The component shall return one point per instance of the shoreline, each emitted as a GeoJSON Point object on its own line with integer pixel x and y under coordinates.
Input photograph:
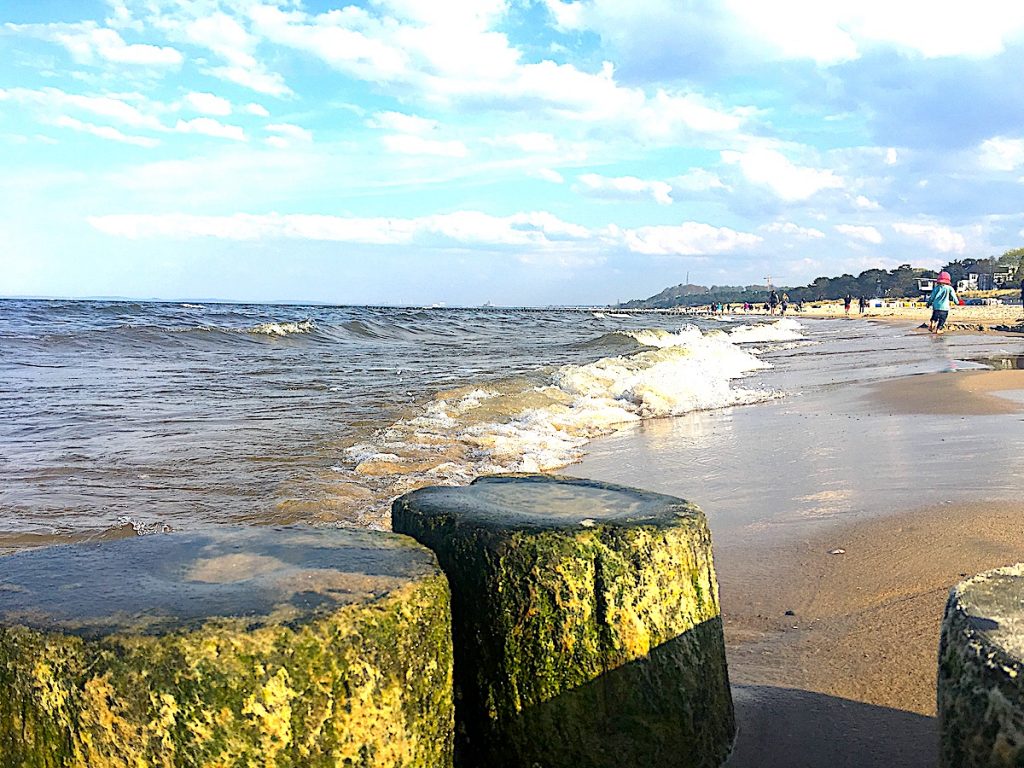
{"type": "Point", "coordinates": [833, 657]}
{"type": "Point", "coordinates": [1006, 318]}
{"type": "Point", "coordinates": [862, 637]}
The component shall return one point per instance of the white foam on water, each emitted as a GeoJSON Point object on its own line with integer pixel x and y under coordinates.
{"type": "Point", "coordinates": [514, 427]}
{"type": "Point", "coordinates": [657, 337]}
{"type": "Point", "coordinates": [780, 330]}
{"type": "Point", "coordinates": [282, 329]}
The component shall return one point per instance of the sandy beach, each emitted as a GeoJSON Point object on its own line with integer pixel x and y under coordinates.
{"type": "Point", "coordinates": [832, 626]}
{"type": "Point", "coordinates": [968, 317]}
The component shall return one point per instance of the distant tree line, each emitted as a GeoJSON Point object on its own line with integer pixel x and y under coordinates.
{"type": "Point", "coordinates": [871, 283]}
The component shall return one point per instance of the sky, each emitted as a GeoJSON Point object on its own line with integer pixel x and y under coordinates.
{"type": "Point", "coordinates": [516, 152]}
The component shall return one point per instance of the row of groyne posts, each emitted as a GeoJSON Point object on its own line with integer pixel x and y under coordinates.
{"type": "Point", "coordinates": [526, 620]}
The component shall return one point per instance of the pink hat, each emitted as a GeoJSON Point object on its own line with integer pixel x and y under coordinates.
{"type": "Point", "coordinates": [944, 278]}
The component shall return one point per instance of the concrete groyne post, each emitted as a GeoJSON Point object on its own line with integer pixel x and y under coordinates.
{"type": "Point", "coordinates": [586, 623]}
{"type": "Point", "coordinates": [981, 673]}
{"type": "Point", "coordinates": [282, 648]}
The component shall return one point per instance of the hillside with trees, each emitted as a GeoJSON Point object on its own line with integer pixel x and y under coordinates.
{"type": "Point", "coordinates": [871, 283]}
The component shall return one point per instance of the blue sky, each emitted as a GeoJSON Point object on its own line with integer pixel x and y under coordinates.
{"type": "Point", "coordinates": [511, 151]}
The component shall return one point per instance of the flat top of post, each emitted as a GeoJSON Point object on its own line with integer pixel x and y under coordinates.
{"type": "Point", "coordinates": [166, 582]}
{"type": "Point", "coordinates": [526, 501]}
{"type": "Point", "coordinates": [994, 605]}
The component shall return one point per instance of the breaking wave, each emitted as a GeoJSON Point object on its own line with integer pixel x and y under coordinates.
{"type": "Point", "coordinates": [523, 425]}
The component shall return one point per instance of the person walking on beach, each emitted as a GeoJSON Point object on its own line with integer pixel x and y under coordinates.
{"type": "Point", "coordinates": [773, 301]}
{"type": "Point", "coordinates": [941, 297]}
{"type": "Point", "coordinates": [1022, 293]}
{"type": "Point", "coordinates": [847, 301]}
{"type": "Point", "coordinates": [862, 304]}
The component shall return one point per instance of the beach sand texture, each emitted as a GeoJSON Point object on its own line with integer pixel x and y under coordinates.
{"type": "Point", "coordinates": [980, 317]}
{"type": "Point", "coordinates": [832, 625]}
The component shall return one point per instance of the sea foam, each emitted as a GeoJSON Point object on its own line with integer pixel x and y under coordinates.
{"type": "Point", "coordinates": [282, 329]}
{"type": "Point", "coordinates": [514, 426]}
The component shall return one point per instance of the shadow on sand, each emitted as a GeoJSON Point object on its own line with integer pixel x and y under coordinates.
{"type": "Point", "coordinates": [789, 728]}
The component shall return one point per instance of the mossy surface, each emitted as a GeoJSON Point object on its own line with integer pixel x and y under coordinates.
{"type": "Point", "coordinates": [595, 640]}
{"type": "Point", "coordinates": [980, 692]}
{"type": "Point", "coordinates": [363, 680]}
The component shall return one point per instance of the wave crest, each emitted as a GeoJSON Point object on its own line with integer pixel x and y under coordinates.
{"type": "Point", "coordinates": [519, 426]}
{"type": "Point", "coordinates": [282, 329]}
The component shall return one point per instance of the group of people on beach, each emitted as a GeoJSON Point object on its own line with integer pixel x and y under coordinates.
{"type": "Point", "coordinates": [780, 304]}
{"type": "Point", "coordinates": [774, 305]}
{"type": "Point", "coordinates": [862, 304]}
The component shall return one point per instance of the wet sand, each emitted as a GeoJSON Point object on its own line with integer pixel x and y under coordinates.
{"type": "Point", "coordinates": [861, 644]}
{"type": "Point", "coordinates": [833, 639]}
{"type": "Point", "coordinates": [969, 393]}
{"type": "Point", "coordinates": [833, 656]}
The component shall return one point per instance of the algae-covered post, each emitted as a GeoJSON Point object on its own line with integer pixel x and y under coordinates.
{"type": "Point", "coordinates": [240, 647]}
{"type": "Point", "coordinates": [586, 623]}
{"type": "Point", "coordinates": [981, 672]}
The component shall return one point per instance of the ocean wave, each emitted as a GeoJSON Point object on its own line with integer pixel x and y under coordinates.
{"type": "Point", "coordinates": [614, 341]}
{"type": "Point", "coordinates": [780, 330]}
{"type": "Point", "coordinates": [280, 329]}
{"type": "Point", "coordinates": [520, 426]}
{"type": "Point", "coordinates": [690, 335]}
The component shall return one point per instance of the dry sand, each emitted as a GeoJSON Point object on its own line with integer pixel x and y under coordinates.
{"type": "Point", "coordinates": [833, 656]}
{"type": "Point", "coordinates": [975, 318]}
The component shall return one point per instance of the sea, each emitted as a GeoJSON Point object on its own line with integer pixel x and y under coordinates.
{"type": "Point", "coordinates": [123, 418]}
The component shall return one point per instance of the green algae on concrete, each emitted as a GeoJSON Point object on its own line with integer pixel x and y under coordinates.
{"type": "Point", "coordinates": [277, 648]}
{"type": "Point", "coordinates": [981, 675]}
{"type": "Point", "coordinates": [586, 623]}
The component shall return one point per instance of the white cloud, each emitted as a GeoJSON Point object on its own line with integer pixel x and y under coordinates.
{"type": "Point", "coordinates": [402, 123]}
{"type": "Point", "coordinates": [942, 239]}
{"type": "Point", "coordinates": [697, 180]}
{"type": "Point", "coordinates": [464, 227]}
{"type": "Point", "coordinates": [772, 169]}
{"type": "Point", "coordinates": [116, 107]}
{"type": "Point", "coordinates": [88, 43]}
{"type": "Point", "coordinates": [289, 131]}
{"type": "Point", "coordinates": [797, 29]}
{"type": "Point", "coordinates": [568, 15]}
{"type": "Point", "coordinates": [977, 29]}
{"type": "Point", "coordinates": [210, 127]}
{"type": "Point", "coordinates": [406, 144]}
{"type": "Point", "coordinates": [460, 60]}
{"type": "Point", "coordinates": [825, 31]}
{"type": "Point", "coordinates": [789, 228]}
{"type": "Point", "coordinates": [121, 17]}
{"type": "Point", "coordinates": [666, 113]}
{"type": "Point", "coordinates": [257, 109]}
{"type": "Point", "coordinates": [858, 232]}
{"type": "Point", "coordinates": [533, 143]}
{"type": "Point", "coordinates": [535, 231]}
{"type": "Point", "coordinates": [208, 104]}
{"type": "Point", "coordinates": [1002, 154]}
{"type": "Point", "coordinates": [891, 156]}
{"type": "Point", "coordinates": [229, 41]}
{"type": "Point", "coordinates": [104, 132]}
{"type": "Point", "coordinates": [865, 203]}
{"type": "Point", "coordinates": [688, 239]}
{"type": "Point", "coordinates": [342, 38]}
{"type": "Point", "coordinates": [269, 83]}
{"type": "Point", "coordinates": [547, 174]}
{"type": "Point", "coordinates": [625, 188]}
